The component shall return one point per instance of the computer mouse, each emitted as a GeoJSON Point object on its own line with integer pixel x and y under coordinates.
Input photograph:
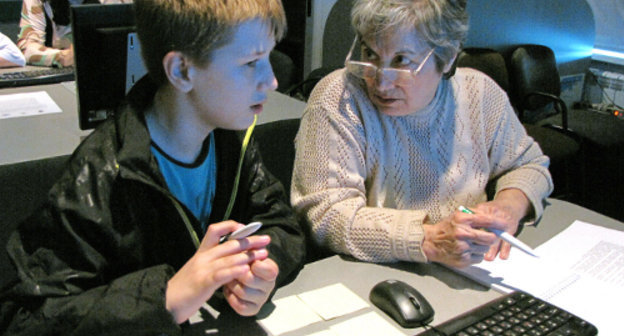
{"type": "Point", "coordinates": [406, 305]}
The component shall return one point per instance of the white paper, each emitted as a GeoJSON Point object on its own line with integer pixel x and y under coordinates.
{"type": "Point", "coordinates": [369, 324]}
{"type": "Point", "coordinates": [290, 313]}
{"type": "Point", "coordinates": [27, 104]}
{"type": "Point", "coordinates": [323, 333]}
{"type": "Point", "coordinates": [580, 270]}
{"type": "Point", "coordinates": [333, 301]}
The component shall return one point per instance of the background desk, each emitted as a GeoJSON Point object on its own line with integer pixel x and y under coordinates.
{"type": "Point", "coordinates": [449, 293]}
{"type": "Point", "coordinates": [37, 137]}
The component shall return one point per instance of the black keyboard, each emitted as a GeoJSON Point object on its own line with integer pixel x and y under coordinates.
{"type": "Point", "coordinates": [517, 313]}
{"type": "Point", "coordinates": [36, 77]}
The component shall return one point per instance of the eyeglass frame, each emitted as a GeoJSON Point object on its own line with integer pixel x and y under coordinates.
{"type": "Point", "coordinates": [412, 72]}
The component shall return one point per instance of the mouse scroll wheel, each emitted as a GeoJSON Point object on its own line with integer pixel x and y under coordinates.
{"type": "Point", "coordinates": [415, 302]}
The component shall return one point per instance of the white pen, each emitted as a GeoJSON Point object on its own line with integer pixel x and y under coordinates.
{"type": "Point", "coordinates": [515, 242]}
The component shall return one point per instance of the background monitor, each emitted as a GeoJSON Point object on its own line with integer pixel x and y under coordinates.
{"type": "Point", "coordinates": [107, 59]}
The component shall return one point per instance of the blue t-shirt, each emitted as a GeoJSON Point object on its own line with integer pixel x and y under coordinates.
{"type": "Point", "coordinates": [193, 184]}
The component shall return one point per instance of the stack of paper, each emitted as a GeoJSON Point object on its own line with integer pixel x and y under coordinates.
{"type": "Point", "coordinates": [580, 270]}
{"type": "Point", "coordinates": [324, 304]}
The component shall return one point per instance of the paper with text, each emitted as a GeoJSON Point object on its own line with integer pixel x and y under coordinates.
{"type": "Point", "coordinates": [27, 104]}
{"type": "Point", "coordinates": [580, 270]}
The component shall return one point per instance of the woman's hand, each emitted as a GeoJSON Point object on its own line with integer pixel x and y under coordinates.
{"type": "Point", "coordinates": [212, 266]}
{"type": "Point", "coordinates": [249, 292]}
{"type": "Point", "coordinates": [508, 208]}
{"type": "Point", "coordinates": [458, 240]}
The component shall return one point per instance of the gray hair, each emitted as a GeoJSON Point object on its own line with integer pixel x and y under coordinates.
{"type": "Point", "coordinates": [442, 24]}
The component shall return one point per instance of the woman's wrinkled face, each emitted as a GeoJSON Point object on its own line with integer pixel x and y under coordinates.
{"type": "Point", "coordinates": [400, 50]}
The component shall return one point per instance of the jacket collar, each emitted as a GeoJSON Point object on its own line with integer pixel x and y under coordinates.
{"type": "Point", "coordinates": [134, 156]}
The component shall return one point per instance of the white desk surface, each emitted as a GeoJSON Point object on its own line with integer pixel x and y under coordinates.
{"type": "Point", "coordinates": [37, 137]}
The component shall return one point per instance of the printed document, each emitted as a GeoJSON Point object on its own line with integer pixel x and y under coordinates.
{"type": "Point", "coordinates": [580, 270]}
{"type": "Point", "coordinates": [27, 104]}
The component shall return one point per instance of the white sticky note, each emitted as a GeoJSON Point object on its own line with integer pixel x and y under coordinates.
{"type": "Point", "coordinates": [290, 313]}
{"type": "Point", "coordinates": [333, 301]}
{"type": "Point", "coordinates": [323, 333]}
{"type": "Point", "coordinates": [369, 324]}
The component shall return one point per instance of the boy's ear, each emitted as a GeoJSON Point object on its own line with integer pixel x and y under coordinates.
{"type": "Point", "coordinates": [178, 68]}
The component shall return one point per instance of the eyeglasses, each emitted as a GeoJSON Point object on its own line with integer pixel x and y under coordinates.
{"type": "Point", "coordinates": [366, 70]}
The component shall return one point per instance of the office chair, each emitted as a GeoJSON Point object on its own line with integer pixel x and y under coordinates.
{"type": "Point", "coordinates": [601, 135]}
{"type": "Point", "coordinates": [284, 69]}
{"type": "Point", "coordinates": [337, 38]}
{"type": "Point", "coordinates": [562, 149]}
{"type": "Point", "coordinates": [537, 84]}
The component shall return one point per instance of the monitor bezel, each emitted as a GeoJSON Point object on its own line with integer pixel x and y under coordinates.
{"type": "Point", "coordinates": [100, 34]}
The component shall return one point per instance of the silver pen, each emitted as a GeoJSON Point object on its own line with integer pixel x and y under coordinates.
{"type": "Point", "coordinates": [515, 242]}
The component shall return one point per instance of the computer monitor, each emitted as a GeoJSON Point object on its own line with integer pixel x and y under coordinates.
{"type": "Point", "coordinates": [107, 59]}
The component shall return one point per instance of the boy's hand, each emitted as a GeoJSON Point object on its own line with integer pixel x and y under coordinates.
{"type": "Point", "coordinates": [212, 266]}
{"type": "Point", "coordinates": [247, 293]}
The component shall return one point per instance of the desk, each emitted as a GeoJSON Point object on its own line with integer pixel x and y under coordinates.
{"type": "Point", "coordinates": [37, 137]}
{"type": "Point", "coordinates": [449, 293]}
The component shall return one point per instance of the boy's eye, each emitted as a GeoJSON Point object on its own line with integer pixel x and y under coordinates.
{"type": "Point", "coordinates": [252, 63]}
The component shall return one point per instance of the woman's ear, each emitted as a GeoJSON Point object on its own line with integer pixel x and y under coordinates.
{"type": "Point", "coordinates": [178, 70]}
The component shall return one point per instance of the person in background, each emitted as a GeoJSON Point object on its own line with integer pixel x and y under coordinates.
{"type": "Point", "coordinates": [128, 242]}
{"type": "Point", "coordinates": [391, 145]}
{"type": "Point", "coordinates": [10, 55]}
{"type": "Point", "coordinates": [33, 40]}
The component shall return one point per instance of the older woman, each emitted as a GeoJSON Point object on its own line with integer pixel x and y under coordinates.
{"type": "Point", "coordinates": [391, 145]}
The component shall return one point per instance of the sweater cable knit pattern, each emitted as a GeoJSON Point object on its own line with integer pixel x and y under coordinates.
{"type": "Point", "coordinates": [366, 182]}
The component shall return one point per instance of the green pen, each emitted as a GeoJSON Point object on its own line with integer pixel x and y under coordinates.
{"type": "Point", "coordinates": [515, 242]}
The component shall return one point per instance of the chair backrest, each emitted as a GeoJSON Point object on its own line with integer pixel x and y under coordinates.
{"type": "Point", "coordinates": [488, 61]}
{"type": "Point", "coordinates": [24, 187]}
{"type": "Point", "coordinates": [284, 68]}
{"type": "Point", "coordinates": [337, 35]}
{"type": "Point", "coordinates": [337, 38]}
{"type": "Point", "coordinates": [276, 140]}
{"type": "Point", "coordinates": [533, 69]}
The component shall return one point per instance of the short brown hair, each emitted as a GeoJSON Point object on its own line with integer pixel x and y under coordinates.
{"type": "Point", "coordinates": [197, 27]}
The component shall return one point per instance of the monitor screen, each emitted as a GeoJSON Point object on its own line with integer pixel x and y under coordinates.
{"type": "Point", "coordinates": [107, 59]}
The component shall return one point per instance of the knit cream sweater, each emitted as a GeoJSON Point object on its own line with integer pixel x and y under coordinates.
{"type": "Point", "coordinates": [366, 182]}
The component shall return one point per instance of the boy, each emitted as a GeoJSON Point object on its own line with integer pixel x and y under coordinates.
{"type": "Point", "coordinates": [117, 248]}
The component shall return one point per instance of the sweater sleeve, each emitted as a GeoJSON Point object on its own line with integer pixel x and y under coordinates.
{"type": "Point", "coordinates": [31, 39]}
{"type": "Point", "coordinates": [329, 185]}
{"type": "Point", "coordinates": [9, 51]}
{"type": "Point", "coordinates": [516, 160]}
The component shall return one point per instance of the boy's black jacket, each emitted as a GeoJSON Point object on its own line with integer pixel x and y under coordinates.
{"type": "Point", "coordinates": [97, 257]}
